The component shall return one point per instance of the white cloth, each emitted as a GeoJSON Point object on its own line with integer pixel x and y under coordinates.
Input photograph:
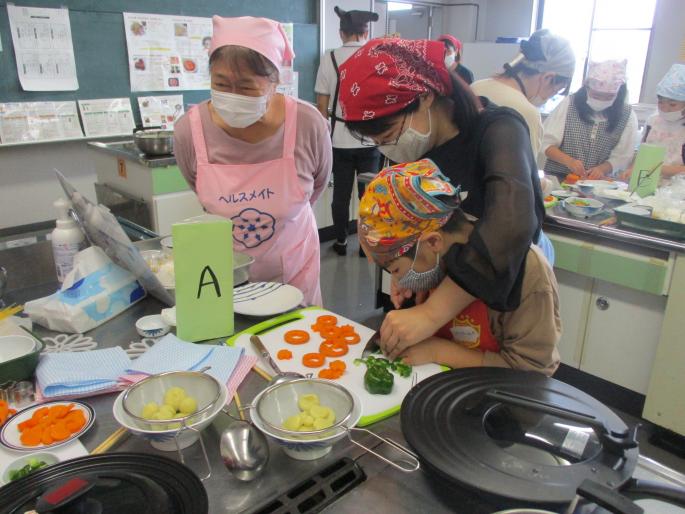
{"type": "Point", "coordinates": [507, 96]}
{"type": "Point", "coordinates": [622, 154]}
{"type": "Point", "coordinates": [326, 80]}
{"type": "Point", "coordinates": [670, 134]}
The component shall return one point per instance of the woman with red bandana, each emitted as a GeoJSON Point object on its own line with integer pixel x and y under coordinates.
{"type": "Point", "coordinates": [398, 95]}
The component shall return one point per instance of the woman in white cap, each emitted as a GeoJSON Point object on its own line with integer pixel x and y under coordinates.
{"type": "Point", "coordinates": [592, 132]}
{"type": "Point", "coordinates": [667, 126]}
{"type": "Point", "coordinates": [257, 157]}
{"type": "Point", "coordinates": [543, 67]}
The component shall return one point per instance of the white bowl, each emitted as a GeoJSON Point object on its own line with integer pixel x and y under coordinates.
{"type": "Point", "coordinates": [594, 186]}
{"type": "Point", "coordinates": [48, 458]}
{"type": "Point", "coordinates": [152, 326]}
{"type": "Point", "coordinates": [591, 208]}
{"type": "Point", "coordinates": [563, 193]}
{"type": "Point", "coordinates": [13, 347]}
{"type": "Point", "coordinates": [153, 391]}
{"type": "Point", "coordinates": [276, 408]}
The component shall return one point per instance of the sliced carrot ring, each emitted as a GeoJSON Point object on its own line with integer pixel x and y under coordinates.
{"type": "Point", "coordinates": [316, 327]}
{"type": "Point", "coordinates": [296, 337]}
{"type": "Point", "coordinates": [326, 373]}
{"type": "Point", "coordinates": [352, 338]}
{"type": "Point", "coordinates": [338, 365]}
{"type": "Point", "coordinates": [313, 360]}
{"type": "Point", "coordinates": [327, 320]}
{"type": "Point", "coordinates": [346, 329]}
{"type": "Point", "coordinates": [329, 332]}
{"type": "Point", "coordinates": [334, 348]}
{"type": "Point", "coordinates": [284, 355]}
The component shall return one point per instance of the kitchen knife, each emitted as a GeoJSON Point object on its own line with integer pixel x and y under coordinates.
{"type": "Point", "coordinates": [373, 346]}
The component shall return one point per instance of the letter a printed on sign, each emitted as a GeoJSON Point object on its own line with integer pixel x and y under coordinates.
{"type": "Point", "coordinates": [203, 265]}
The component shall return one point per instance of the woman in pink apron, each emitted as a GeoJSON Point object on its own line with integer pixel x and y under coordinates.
{"type": "Point", "coordinates": [257, 157]}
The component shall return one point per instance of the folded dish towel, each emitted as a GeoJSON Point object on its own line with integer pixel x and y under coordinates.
{"type": "Point", "coordinates": [72, 373]}
{"type": "Point", "coordinates": [172, 354]}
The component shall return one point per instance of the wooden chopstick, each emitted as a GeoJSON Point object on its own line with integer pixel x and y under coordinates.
{"type": "Point", "coordinates": [113, 439]}
{"type": "Point", "coordinates": [262, 373]}
{"type": "Point", "coordinates": [239, 406]}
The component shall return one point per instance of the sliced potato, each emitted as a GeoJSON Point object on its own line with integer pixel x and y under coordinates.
{"type": "Point", "coordinates": [293, 422]}
{"type": "Point", "coordinates": [320, 423]}
{"type": "Point", "coordinates": [306, 401]}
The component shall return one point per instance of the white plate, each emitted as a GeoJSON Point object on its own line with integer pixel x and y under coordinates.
{"type": "Point", "coordinates": [602, 184]}
{"type": "Point", "coordinates": [265, 298]}
{"type": "Point", "coordinates": [9, 436]}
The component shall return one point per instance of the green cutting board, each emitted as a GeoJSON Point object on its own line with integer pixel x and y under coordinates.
{"type": "Point", "coordinates": [375, 407]}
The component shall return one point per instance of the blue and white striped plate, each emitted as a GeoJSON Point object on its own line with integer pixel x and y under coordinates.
{"type": "Point", "coordinates": [265, 298]}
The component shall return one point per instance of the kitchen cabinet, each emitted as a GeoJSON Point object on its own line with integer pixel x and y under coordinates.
{"type": "Point", "coordinates": [622, 334]}
{"type": "Point", "coordinates": [611, 326]}
{"type": "Point", "coordinates": [574, 301]}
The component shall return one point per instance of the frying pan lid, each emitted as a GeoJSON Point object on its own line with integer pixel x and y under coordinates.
{"type": "Point", "coordinates": [476, 428]}
{"type": "Point", "coordinates": [133, 483]}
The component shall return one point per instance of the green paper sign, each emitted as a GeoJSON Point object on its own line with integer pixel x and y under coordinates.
{"type": "Point", "coordinates": [647, 169]}
{"type": "Point", "coordinates": [203, 265]}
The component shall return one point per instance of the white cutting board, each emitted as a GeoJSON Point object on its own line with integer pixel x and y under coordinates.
{"type": "Point", "coordinates": [375, 407]}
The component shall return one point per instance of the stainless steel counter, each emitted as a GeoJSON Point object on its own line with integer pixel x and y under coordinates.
{"type": "Point", "coordinates": [128, 150]}
{"type": "Point", "coordinates": [557, 217]}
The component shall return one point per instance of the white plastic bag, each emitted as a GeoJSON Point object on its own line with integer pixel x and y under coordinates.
{"type": "Point", "coordinates": [93, 292]}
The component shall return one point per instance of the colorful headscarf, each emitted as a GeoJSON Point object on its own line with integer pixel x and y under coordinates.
{"type": "Point", "coordinates": [455, 42]}
{"type": "Point", "coordinates": [606, 76]}
{"type": "Point", "coordinates": [399, 205]}
{"type": "Point", "coordinates": [262, 35]}
{"type": "Point", "coordinates": [672, 86]}
{"type": "Point", "coordinates": [386, 75]}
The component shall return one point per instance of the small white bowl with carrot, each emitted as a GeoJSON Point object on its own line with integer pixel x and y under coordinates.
{"type": "Point", "coordinates": [46, 425]}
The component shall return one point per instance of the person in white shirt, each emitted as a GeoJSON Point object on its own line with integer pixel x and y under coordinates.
{"type": "Point", "coordinates": [667, 126]}
{"type": "Point", "coordinates": [592, 133]}
{"type": "Point", "coordinates": [543, 67]}
{"type": "Point", "coordinates": [350, 157]}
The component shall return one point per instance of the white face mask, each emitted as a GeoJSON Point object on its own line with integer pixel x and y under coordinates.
{"type": "Point", "coordinates": [239, 111]}
{"type": "Point", "coordinates": [411, 145]}
{"type": "Point", "coordinates": [422, 280]}
{"type": "Point", "coordinates": [449, 60]}
{"type": "Point", "coordinates": [599, 105]}
{"type": "Point", "coordinates": [672, 116]}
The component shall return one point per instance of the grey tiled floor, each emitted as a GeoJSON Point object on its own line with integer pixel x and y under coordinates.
{"type": "Point", "coordinates": [347, 286]}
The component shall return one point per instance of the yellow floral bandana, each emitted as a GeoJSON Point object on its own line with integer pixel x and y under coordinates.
{"type": "Point", "coordinates": [401, 203]}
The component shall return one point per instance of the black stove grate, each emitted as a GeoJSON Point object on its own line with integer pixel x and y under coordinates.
{"type": "Point", "coordinates": [318, 491]}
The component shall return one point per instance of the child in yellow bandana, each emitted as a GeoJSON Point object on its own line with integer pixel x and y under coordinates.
{"type": "Point", "coordinates": [409, 217]}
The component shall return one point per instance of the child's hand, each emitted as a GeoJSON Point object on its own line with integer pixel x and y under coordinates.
{"type": "Point", "coordinates": [420, 353]}
{"type": "Point", "coordinates": [404, 328]}
{"type": "Point", "coordinates": [398, 294]}
{"type": "Point", "coordinates": [625, 176]}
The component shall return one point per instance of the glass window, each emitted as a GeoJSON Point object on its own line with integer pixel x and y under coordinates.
{"type": "Point", "coordinates": [604, 29]}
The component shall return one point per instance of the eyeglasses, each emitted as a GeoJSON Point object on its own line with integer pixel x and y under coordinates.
{"type": "Point", "coordinates": [367, 141]}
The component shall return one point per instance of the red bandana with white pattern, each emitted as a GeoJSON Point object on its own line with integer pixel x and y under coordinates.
{"type": "Point", "coordinates": [387, 74]}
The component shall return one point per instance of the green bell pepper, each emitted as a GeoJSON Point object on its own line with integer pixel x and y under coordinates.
{"type": "Point", "coordinates": [378, 380]}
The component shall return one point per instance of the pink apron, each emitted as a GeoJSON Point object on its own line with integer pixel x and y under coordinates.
{"type": "Point", "coordinates": [273, 220]}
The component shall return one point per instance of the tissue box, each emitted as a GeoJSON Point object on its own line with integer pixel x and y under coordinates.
{"type": "Point", "coordinates": [95, 291]}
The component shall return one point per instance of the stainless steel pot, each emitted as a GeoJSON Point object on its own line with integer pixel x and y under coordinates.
{"type": "Point", "coordinates": [154, 141]}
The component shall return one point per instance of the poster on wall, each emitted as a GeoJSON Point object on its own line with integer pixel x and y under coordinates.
{"type": "Point", "coordinates": [167, 53]}
{"type": "Point", "coordinates": [107, 116]}
{"type": "Point", "coordinates": [160, 111]}
{"type": "Point", "coordinates": [24, 122]}
{"type": "Point", "coordinates": [43, 48]}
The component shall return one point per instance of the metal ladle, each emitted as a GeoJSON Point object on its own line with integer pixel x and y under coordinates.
{"type": "Point", "coordinates": [244, 449]}
{"type": "Point", "coordinates": [281, 376]}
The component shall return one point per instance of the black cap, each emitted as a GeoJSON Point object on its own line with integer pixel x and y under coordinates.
{"type": "Point", "coordinates": [355, 22]}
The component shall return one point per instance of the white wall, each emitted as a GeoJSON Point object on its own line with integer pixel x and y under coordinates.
{"type": "Point", "coordinates": [508, 18]}
{"type": "Point", "coordinates": [667, 36]}
{"type": "Point", "coordinates": [28, 186]}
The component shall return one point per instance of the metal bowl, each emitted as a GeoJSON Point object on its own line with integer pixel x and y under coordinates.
{"type": "Point", "coordinates": [155, 142]}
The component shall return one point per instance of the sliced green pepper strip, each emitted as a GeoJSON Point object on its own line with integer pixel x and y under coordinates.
{"type": "Point", "coordinates": [378, 380]}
